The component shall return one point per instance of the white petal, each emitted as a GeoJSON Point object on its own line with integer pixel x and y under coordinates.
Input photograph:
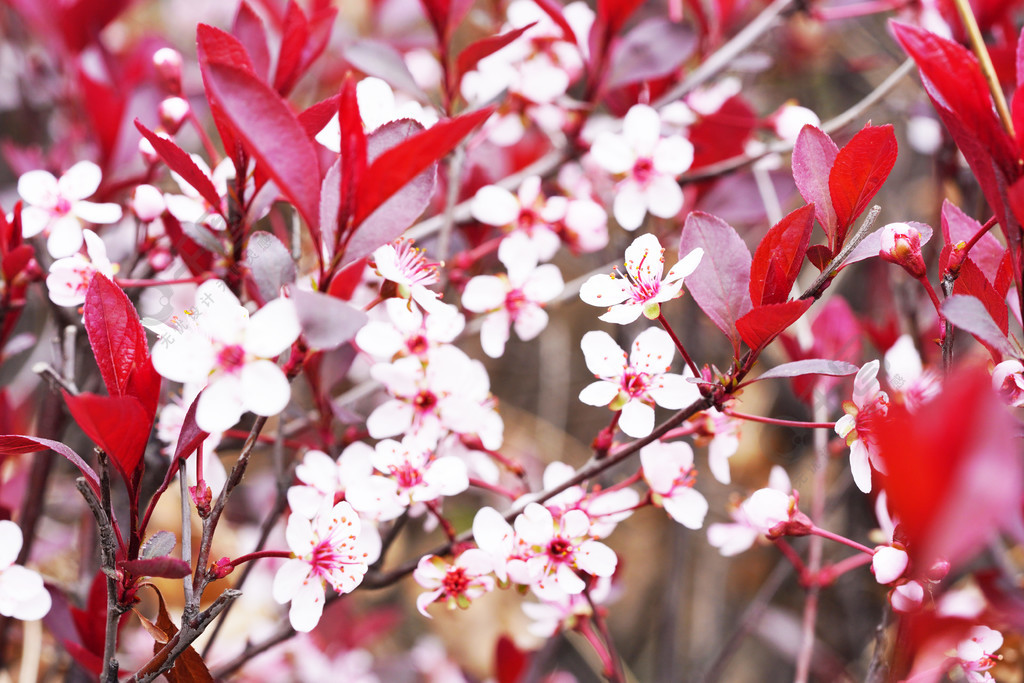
{"type": "Point", "coordinates": [596, 558]}
{"type": "Point", "coordinates": [688, 507]}
{"type": "Point", "coordinates": [389, 418]}
{"type": "Point", "coordinates": [637, 419]}
{"type": "Point", "coordinates": [721, 448]}
{"type": "Point", "coordinates": [530, 322]}
{"type": "Point", "coordinates": [731, 539]}
{"type": "Point", "coordinates": [672, 391]}
{"type": "Point", "coordinates": [221, 405]}
{"type": "Point", "coordinates": [38, 188]}
{"type": "Point", "coordinates": [376, 102]}
{"type": "Point", "coordinates": [10, 543]}
{"type": "Point", "coordinates": [265, 388]}
{"type": "Point", "coordinates": [859, 466]}
{"type": "Point", "coordinates": [603, 356]}
{"type": "Point", "coordinates": [685, 265]}
{"type": "Point", "coordinates": [664, 197]}
{"type": "Point", "coordinates": [544, 284]}
{"type": "Point", "coordinates": [288, 580]}
{"type": "Point", "coordinates": [184, 357]}
{"type": "Point", "coordinates": [599, 393]}
{"type": "Point", "coordinates": [652, 351]}
{"type": "Point", "coordinates": [612, 153]}
{"type": "Point", "coordinates": [845, 425]}
{"type": "Point", "coordinates": [330, 135]}
{"type": "Point", "coordinates": [484, 293]}
{"type": "Point", "coordinates": [307, 606]}
{"type": "Point", "coordinates": [103, 214]}
{"type": "Point", "coordinates": [642, 129]}
{"type": "Point", "coordinates": [623, 314]}
{"type": "Point", "coordinates": [604, 290]}
{"type": "Point", "coordinates": [888, 564]}
{"type": "Point", "coordinates": [80, 181]}
{"type": "Point", "coordinates": [65, 237]}
{"type": "Point", "coordinates": [34, 221]}
{"type": "Point", "coordinates": [518, 254]}
{"type": "Point", "coordinates": [902, 363]}
{"type": "Point", "coordinates": [673, 155]}
{"type": "Point", "coordinates": [494, 205]}
{"type": "Point", "coordinates": [494, 333]}
{"type": "Point", "coordinates": [630, 205]}
{"type": "Point", "coordinates": [272, 329]}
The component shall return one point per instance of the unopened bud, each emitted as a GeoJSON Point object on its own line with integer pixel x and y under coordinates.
{"type": "Point", "coordinates": [147, 203]}
{"type": "Point", "coordinates": [222, 568]}
{"type": "Point", "coordinates": [938, 571]}
{"type": "Point", "coordinates": [173, 111]}
{"type": "Point", "coordinates": [901, 244]}
{"type": "Point", "coordinates": [168, 66]}
{"type": "Point", "coordinates": [790, 119]}
{"type": "Point", "coordinates": [202, 496]}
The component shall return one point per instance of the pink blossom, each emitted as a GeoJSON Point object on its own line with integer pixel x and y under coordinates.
{"type": "Point", "coordinates": [219, 345]}
{"type": "Point", "coordinates": [736, 537]}
{"type": "Point", "coordinates": [22, 593]}
{"type": "Point", "coordinates": [494, 536]}
{"type": "Point", "coordinates": [907, 597]}
{"type": "Point", "coordinates": [869, 405]}
{"type": "Point", "coordinates": [888, 563]}
{"type": "Point", "coordinates": [378, 104]}
{"type": "Point", "coordinates": [668, 470]}
{"type": "Point", "coordinates": [530, 212]}
{"type": "Point", "coordinates": [642, 289]}
{"type": "Point", "coordinates": [328, 548]}
{"type": "Point", "coordinates": [458, 584]}
{"type": "Point", "coordinates": [977, 653]}
{"type": "Point", "coordinates": [636, 385]}
{"type": "Point", "coordinates": [724, 431]}
{"type": "Point", "coordinates": [516, 299]}
{"type": "Point", "coordinates": [1008, 380]}
{"type": "Point", "coordinates": [409, 331]}
{"type": "Point", "coordinates": [168, 429]}
{"type": "Point", "coordinates": [901, 244]}
{"type": "Point", "coordinates": [560, 611]}
{"type": "Point", "coordinates": [324, 478]}
{"type": "Point", "coordinates": [906, 375]}
{"type": "Point", "coordinates": [604, 507]}
{"type": "Point", "coordinates": [190, 206]}
{"type": "Point", "coordinates": [650, 164]}
{"type": "Point", "coordinates": [58, 208]}
{"type": "Point", "coordinates": [69, 277]}
{"type": "Point", "coordinates": [408, 268]}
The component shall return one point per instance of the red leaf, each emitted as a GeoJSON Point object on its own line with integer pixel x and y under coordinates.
{"type": "Point", "coordinates": [345, 281]}
{"type": "Point", "coordinates": [161, 567]}
{"type": "Point", "coordinates": [445, 15]}
{"type": "Point", "coordinates": [613, 14]}
{"type": "Point", "coordinates": [762, 324]}
{"type": "Point", "coordinates": [957, 226]}
{"type": "Point", "coordinates": [295, 35]}
{"type": "Point", "coordinates": [219, 47]}
{"type": "Point", "coordinates": [723, 134]}
{"type": "Point", "coordinates": [820, 256]}
{"type": "Point", "coordinates": [181, 163]}
{"type": "Point", "coordinates": [953, 470]}
{"type": "Point", "coordinates": [720, 283]}
{"type": "Point", "coordinates": [117, 424]}
{"type": "Point", "coordinates": [813, 157]}
{"type": "Point", "coordinates": [252, 34]}
{"type": "Point", "coordinates": [554, 10]}
{"type": "Point", "coordinates": [474, 52]}
{"type": "Point", "coordinates": [190, 435]}
{"type": "Point", "coordinates": [510, 663]}
{"type": "Point", "coordinates": [271, 132]}
{"type": "Point", "coordinates": [397, 166]}
{"type": "Point", "coordinates": [779, 257]}
{"type": "Point", "coordinates": [116, 335]}
{"type": "Point", "coordinates": [654, 48]}
{"type": "Point", "coordinates": [859, 171]}
{"type": "Point", "coordinates": [17, 445]}
{"type": "Point", "coordinates": [969, 313]}
{"type": "Point", "coordinates": [353, 155]}
{"type": "Point", "coordinates": [316, 117]}
{"type": "Point", "coordinates": [974, 283]}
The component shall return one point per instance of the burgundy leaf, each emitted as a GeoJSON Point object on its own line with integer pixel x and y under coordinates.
{"type": "Point", "coordinates": [317, 116]}
{"type": "Point", "coordinates": [377, 58]}
{"type": "Point", "coordinates": [779, 256]}
{"type": "Point", "coordinates": [554, 10]}
{"type": "Point", "coordinates": [115, 333]}
{"type": "Point", "coordinates": [181, 163]}
{"type": "Point", "coordinates": [17, 445]}
{"type": "Point", "coordinates": [271, 132]}
{"type": "Point", "coordinates": [252, 34]}
{"type": "Point", "coordinates": [190, 435]}
{"type": "Point", "coordinates": [763, 323]}
{"type": "Point", "coordinates": [652, 49]}
{"type": "Point", "coordinates": [859, 171]}
{"type": "Point", "coordinates": [810, 366]}
{"type": "Point", "coordinates": [353, 153]}
{"type": "Point", "coordinates": [723, 134]}
{"type": "Point", "coordinates": [397, 166]}
{"type": "Point", "coordinates": [510, 663]}
{"type": "Point", "coordinates": [160, 567]}
{"type": "Point", "coordinates": [613, 14]}
{"type": "Point", "coordinates": [813, 157]}
{"type": "Point", "coordinates": [159, 544]}
{"type": "Point", "coordinates": [974, 283]}
{"type": "Point", "coordinates": [117, 424]}
{"type": "Point", "coordinates": [398, 212]}
{"type": "Point", "coordinates": [957, 226]}
{"type": "Point", "coordinates": [219, 47]}
{"type": "Point", "coordinates": [475, 51]}
{"type": "Point", "coordinates": [969, 313]}
{"type": "Point", "coordinates": [720, 283]}
{"type": "Point", "coordinates": [326, 322]}
{"type": "Point", "coordinates": [295, 35]}
{"type": "Point", "coordinates": [820, 256]}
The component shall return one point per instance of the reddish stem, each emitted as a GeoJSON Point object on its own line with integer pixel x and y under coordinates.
{"type": "Point", "coordinates": [829, 574]}
{"type": "Point", "coordinates": [679, 345]}
{"type": "Point", "coordinates": [126, 283]}
{"type": "Point", "coordinates": [775, 421]}
{"type": "Point", "coordinates": [259, 554]}
{"type": "Point", "coordinates": [793, 556]}
{"type": "Point", "coordinates": [818, 531]}
{"type": "Point", "coordinates": [501, 491]}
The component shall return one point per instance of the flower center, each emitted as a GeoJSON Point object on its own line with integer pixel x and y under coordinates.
{"type": "Point", "coordinates": [231, 358]}
{"type": "Point", "coordinates": [425, 401]}
{"type": "Point", "coordinates": [643, 171]}
{"type": "Point", "coordinates": [635, 383]}
{"type": "Point", "coordinates": [559, 549]}
{"type": "Point", "coordinates": [418, 345]}
{"type": "Point", "coordinates": [455, 581]}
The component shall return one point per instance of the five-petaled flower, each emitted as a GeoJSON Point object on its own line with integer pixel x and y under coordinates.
{"type": "Point", "coordinates": [69, 277]}
{"type": "Point", "coordinates": [642, 289]}
{"type": "Point", "coordinates": [668, 470]}
{"type": "Point", "coordinates": [869, 405]}
{"type": "Point", "coordinates": [635, 385]}
{"type": "Point", "coordinates": [458, 584]}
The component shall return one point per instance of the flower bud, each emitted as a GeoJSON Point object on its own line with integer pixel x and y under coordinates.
{"type": "Point", "coordinates": [147, 203]}
{"type": "Point", "coordinates": [173, 111]}
{"type": "Point", "coordinates": [168, 66]}
{"type": "Point", "coordinates": [202, 497]}
{"type": "Point", "coordinates": [222, 568]}
{"type": "Point", "coordinates": [901, 244]}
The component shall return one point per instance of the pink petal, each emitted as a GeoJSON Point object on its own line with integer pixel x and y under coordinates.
{"type": "Point", "coordinates": [888, 564]}
{"type": "Point", "coordinates": [38, 188]}
{"type": "Point", "coordinates": [484, 293]}
{"type": "Point", "coordinates": [630, 205]}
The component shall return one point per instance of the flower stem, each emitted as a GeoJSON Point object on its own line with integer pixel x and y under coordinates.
{"type": "Point", "coordinates": [818, 531]}
{"type": "Point", "coordinates": [679, 345]}
{"type": "Point", "coordinates": [259, 554]}
{"type": "Point", "coordinates": [829, 574]}
{"type": "Point", "coordinates": [776, 421]}
{"type": "Point", "coordinates": [963, 8]}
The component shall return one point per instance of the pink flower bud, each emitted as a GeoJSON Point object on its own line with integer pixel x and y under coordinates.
{"type": "Point", "coordinates": [147, 203]}
{"type": "Point", "coordinates": [168, 66]}
{"type": "Point", "coordinates": [173, 111]}
{"type": "Point", "coordinates": [901, 244]}
{"type": "Point", "coordinates": [202, 496]}
{"type": "Point", "coordinates": [222, 568]}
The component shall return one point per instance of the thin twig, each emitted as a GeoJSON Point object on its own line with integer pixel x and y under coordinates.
{"type": "Point", "coordinates": [963, 8]}
{"type": "Point", "coordinates": [186, 526]}
{"type": "Point", "coordinates": [450, 199]}
{"type": "Point", "coordinates": [819, 284]}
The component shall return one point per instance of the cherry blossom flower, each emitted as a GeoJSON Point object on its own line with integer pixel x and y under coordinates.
{"type": "Point", "coordinates": [58, 208]}
{"type": "Point", "coordinates": [869, 405]}
{"type": "Point", "coordinates": [790, 119]}
{"type": "Point", "coordinates": [906, 375]}
{"type": "Point", "coordinates": [448, 392]}
{"type": "Point", "coordinates": [458, 584]}
{"type": "Point", "coordinates": [408, 331]}
{"type": "Point", "coordinates": [559, 548]}
{"type": "Point", "coordinates": [408, 268]}
{"type": "Point", "coordinates": [604, 507]}
{"type": "Point", "coordinates": [1008, 380]}
{"type": "Point", "coordinates": [724, 431]}
{"type": "Point", "coordinates": [735, 537]}
{"type": "Point", "coordinates": [220, 346]}
{"type": "Point", "coordinates": [191, 207]}
{"type": "Point", "coordinates": [668, 470]}
{"type": "Point", "coordinates": [977, 653]}
{"type": "Point", "coordinates": [650, 164]}
{"type": "Point", "coordinates": [516, 299]}
{"type": "Point", "coordinates": [148, 203]}
{"type": "Point", "coordinates": [901, 244]}
{"type": "Point", "coordinates": [563, 612]}
{"type": "Point", "coordinates": [642, 289]}
{"type": "Point", "coordinates": [494, 536]}
{"type": "Point", "coordinates": [907, 597]}
{"type": "Point", "coordinates": [69, 277]}
{"type": "Point", "coordinates": [888, 563]}
{"type": "Point", "coordinates": [324, 478]}
{"type": "Point", "coordinates": [634, 386]}
{"type": "Point", "coordinates": [529, 212]}
{"type": "Point", "coordinates": [378, 104]}
{"type": "Point", "coordinates": [328, 548]}
{"type": "Point", "coordinates": [22, 593]}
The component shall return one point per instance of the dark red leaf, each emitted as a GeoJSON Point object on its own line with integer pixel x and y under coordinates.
{"type": "Point", "coordinates": [820, 256]}
{"type": "Point", "coordinates": [953, 470]}
{"type": "Point", "coordinates": [613, 14]}
{"type": "Point", "coordinates": [779, 257]}
{"type": "Point", "coordinates": [974, 283]}
{"type": "Point", "coordinates": [510, 663]}
{"type": "Point", "coordinates": [316, 117]}
{"type": "Point", "coordinates": [189, 667]}
{"type": "Point", "coordinates": [252, 34]}
{"type": "Point", "coordinates": [474, 52]}
{"type": "Point", "coordinates": [18, 445]}
{"type": "Point", "coordinates": [190, 435]}
{"type": "Point", "coordinates": [295, 35]}
{"type": "Point", "coordinates": [271, 132]}
{"type": "Point", "coordinates": [181, 163]}
{"type": "Point", "coordinates": [116, 335]}
{"type": "Point", "coordinates": [396, 167]}
{"type": "Point", "coordinates": [345, 281]}
{"type": "Point", "coordinates": [445, 15]}
{"type": "Point", "coordinates": [859, 171]}
{"type": "Point", "coordinates": [197, 259]}
{"type": "Point", "coordinates": [959, 227]}
{"type": "Point", "coordinates": [554, 10]}
{"type": "Point", "coordinates": [970, 314]}
{"type": "Point", "coordinates": [161, 567]}
{"type": "Point", "coordinates": [721, 282]}
{"type": "Point", "coordinates": [219, 47]}
{"type": "Point", "coordinates": [813, 157]}
{"type": "Point", "coordinates": [353, 154]}
{"type": "Point", "coordinates": [14, 262]}
{"type": "Point", "coordinates": [652, 49]}
{"type": "Point", "coordinates": [117, 424]}
{"type": "Point", "coordinates": [762, 324]}
{"type": "Point", "coordinates": [723, 134]}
